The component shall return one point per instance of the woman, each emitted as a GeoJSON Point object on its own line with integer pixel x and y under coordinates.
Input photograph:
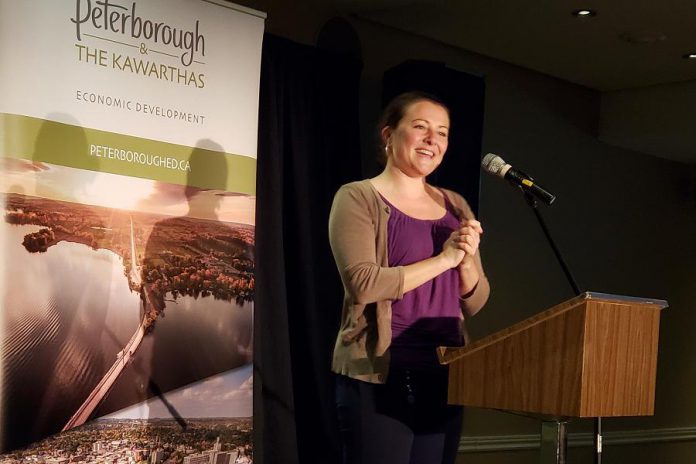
{"type": "Point", "coordinates": [407, 253]}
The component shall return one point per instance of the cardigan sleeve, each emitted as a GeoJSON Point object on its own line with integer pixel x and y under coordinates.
{"type": "Point", "coordinates": [353, 235]}
{"type": "Point", "coordinates": [474, 300]}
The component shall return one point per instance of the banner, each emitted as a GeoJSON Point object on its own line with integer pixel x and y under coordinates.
{"type": "Point", "coordinates": [128, 161]}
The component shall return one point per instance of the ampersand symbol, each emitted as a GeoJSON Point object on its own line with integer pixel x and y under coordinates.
{"type": "Point", "coordinates": [143, 49]}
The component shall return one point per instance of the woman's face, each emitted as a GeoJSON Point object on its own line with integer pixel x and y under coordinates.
{"type": "Point", "coordinates": [416, 146]}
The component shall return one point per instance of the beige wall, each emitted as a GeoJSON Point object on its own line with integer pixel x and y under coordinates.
{"type": "Point", "coordinates": [625, 221]}
{"type": "Point", "coordinates": [658, 119]}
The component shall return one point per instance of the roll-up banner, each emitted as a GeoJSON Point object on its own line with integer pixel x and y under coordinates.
{"type": "Point", "coordinates": [127, 177]}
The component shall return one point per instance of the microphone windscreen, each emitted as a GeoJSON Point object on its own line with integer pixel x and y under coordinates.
{"type": "Point", "coordinates": [493, 164]}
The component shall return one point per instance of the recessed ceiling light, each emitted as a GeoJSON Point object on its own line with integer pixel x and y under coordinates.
{"type": "Point", "coordinates": [584, 13]}
{"type": "Point", "coordinates": [689, 56]}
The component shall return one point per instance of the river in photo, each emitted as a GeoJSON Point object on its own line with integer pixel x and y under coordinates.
{"type": "Point", "coordinates": [67, 312]}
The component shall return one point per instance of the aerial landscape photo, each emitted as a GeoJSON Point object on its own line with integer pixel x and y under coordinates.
{"type": "Point", "coordinates": [115, 299]}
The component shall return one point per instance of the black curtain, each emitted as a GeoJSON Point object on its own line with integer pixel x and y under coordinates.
{"type": "Point", "coordinates": [308, 147]}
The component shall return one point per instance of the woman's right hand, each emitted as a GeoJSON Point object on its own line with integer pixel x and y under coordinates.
{"type": "Point", "coordinates": [452, 251]}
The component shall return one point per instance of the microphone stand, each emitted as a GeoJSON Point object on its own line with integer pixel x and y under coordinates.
{"type": "Point", "coordinates": [532, 202]}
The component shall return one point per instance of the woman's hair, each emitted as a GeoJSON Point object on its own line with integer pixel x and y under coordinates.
{"type": "Point", "coordinates": [394, 112]}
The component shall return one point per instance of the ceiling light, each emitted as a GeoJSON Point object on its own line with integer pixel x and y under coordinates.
{"type": "Point", "coordinates": [584, 13]}
{"type": "Point", "coordinates": [689, 56]}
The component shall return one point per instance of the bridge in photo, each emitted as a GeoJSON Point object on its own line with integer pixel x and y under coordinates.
{"type": "Point", "coordinates": [124, 357]}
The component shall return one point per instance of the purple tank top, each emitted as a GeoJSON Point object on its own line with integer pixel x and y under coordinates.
{"type": "Point", "coordinates": [429, 315]}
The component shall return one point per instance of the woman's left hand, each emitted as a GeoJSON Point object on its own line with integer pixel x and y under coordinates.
{"type": "Point", "coordinates": [470, 231]}
{"type": "Point", "coordinates": [469, 238]}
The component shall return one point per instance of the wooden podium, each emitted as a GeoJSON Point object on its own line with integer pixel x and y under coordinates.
{"type": "Point", "coordinates": [592, 356]}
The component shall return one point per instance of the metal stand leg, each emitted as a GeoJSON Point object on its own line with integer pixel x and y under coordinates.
{"type": "Point", "coordinates": [598, 440]}
{"type": "Point", "coordinates": [554, 442]}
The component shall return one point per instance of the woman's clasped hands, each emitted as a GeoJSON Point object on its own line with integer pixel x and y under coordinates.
{"type": "Point", "coordinates": [463, 243]}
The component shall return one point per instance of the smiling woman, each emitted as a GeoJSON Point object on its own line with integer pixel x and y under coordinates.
{"type": "Point", "coordinates": [415, 147]}
{"type": "Point", "coordinates": [407, 253]}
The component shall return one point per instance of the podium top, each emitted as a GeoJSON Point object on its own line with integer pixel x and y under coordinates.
{"type": "Point", "coordinates": [662, 304]}
{"type": "Point", "coordinates": [446, 355]}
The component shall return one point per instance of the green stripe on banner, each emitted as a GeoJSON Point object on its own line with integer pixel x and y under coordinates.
{"type": "Point", "coordinates": [78, 147]}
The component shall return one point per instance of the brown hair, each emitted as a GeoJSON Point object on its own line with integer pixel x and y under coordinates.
{"type": "Point", "coordinates": [394, 112]}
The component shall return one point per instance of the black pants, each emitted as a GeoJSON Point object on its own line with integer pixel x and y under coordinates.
{"type": "Point", "coordinates": [405, 421]}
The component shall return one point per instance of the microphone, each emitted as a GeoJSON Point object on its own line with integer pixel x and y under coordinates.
{"type": "Point", "coordinates": [495, 165]}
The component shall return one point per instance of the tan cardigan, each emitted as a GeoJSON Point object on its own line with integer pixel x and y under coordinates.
{"type": "Point", "coordinates": [358, 236]}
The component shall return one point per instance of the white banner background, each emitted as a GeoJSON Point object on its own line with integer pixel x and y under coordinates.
{"type": "Point", "coordinates": [42, 72]}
